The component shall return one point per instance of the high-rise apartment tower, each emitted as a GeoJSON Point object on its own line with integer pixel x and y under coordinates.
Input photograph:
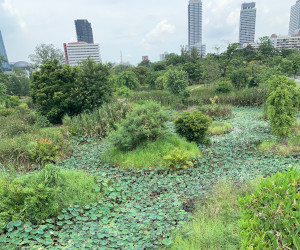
{"type": "Point", "coordinates": [84, 31]}
{"type": "Point", "coordinates": [247, 23]}
{"type": "Point", "coordinates": [295, 18]}
{"type": "Point", "coordinates": [4, 64]}
{"type": "Point", "coordinates": [195, 26]}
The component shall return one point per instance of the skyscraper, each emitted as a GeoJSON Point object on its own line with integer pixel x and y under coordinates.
{"type": "Point", "coordinates": [295, 18]}
{"type": "Point", "coordinates": [3, 54]}
{"type": "Point", "coordinates": [195, 26]}
{"type": "Point", "coordinates": [247, 23]}
{"type": "Point", "coordinates": [84, 31]}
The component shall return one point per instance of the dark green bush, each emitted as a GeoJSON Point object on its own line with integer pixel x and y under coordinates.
{"type": "Point", "coordinates": [224, 86]}
{"type": "Point", "coordinates": [12, 101]}
{"type": "Point", "coordinates": [193, 126]}
{"type": "Point", "coordinates": [270, 216]}
{"type": "Point", "coordinates": [41, 195]}
{"type": "Point", "coordinates": [146, 122]}
{"type": "Point", "coordinates": [240, 78]}
{"type": "Point", "coordinates": [176, 80]}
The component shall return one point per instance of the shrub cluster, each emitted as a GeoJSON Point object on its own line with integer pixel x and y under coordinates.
{"type": "Point", "coordinates": [99, 122]}
{"type": "Point", "coordinates": [38, 196]}
{"type": "Point", "coordinates": [39, 147]}
{"type": "Point", "coordinates": [224, 86]}
{"type": "Point", "coordinates": [270, 215]}
{"type": "Point", "coordinates": [193, 126]}
{"type": "Point", "coordinates": [217, 111]}
{"type": "Point", "coordinates": [145, 123]}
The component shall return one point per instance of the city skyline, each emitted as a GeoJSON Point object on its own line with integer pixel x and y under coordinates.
{"type": "Point", "coordinates": [135, 27]}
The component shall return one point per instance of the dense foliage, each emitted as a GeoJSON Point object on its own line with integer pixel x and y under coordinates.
{"type": "Point", "coordinates": [270, 215]}
{"type": "Point", "coordinates": [42, 195]}
{"type": "Point", "coordinates": [176, 81]}
{"type": "Point", "coordinates": [145, 123]}
{"type": "Point", "coordinates": [283, 103]}
{"type": "Point", "coordinates": [61, 90]}
{"type": "Point", "coordinates": [128, 79]}
{"type": "Point", "coordinates": [193, 126]}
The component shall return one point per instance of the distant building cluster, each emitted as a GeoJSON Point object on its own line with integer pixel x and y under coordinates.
{"type": "Point", "coordinates": [84, 48]}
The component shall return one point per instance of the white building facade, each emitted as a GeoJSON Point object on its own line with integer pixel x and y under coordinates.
{"type": "Point", "coordinates": [247, 23]}
{"type": "Point", "coordinates": [286, 42]}
{"type": "Point", "coordinates": [195, 26]}
{"type": "Point", "coordinates": [77, 52]}
{"type": "Point", "coordinates": [295, 18]}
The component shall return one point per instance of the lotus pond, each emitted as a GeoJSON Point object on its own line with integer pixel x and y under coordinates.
{"type": "Point", "coordinates": [143, 208]}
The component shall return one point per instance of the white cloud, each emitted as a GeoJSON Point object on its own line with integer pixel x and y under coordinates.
{"type": "Point", "coordinates": [159, 34]}
{"type": "Point", "coordinates": [7, 5]}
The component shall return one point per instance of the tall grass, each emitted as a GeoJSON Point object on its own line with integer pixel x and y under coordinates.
{"type": "Point", "coordinates": [99, 122]}
{"type": "Point", "coordinates": [215, 224]}
{"type": "Point", "coordinates": [22, 150]}
{"type": "Point", "coordinates": [202, 95]}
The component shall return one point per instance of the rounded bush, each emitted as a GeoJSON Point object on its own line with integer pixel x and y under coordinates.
{"type": "Point", "coordinates": [193, 126]}
{"type": "Point", "coordinates": [224, 86]}
{"type": "Point", "coordinates": [146, 122]}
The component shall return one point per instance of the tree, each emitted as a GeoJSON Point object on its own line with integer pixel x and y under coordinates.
{"type": "Point", "coordinates": [128, 79]}
{"type": "Point", "coordinates": [283, 103]}
{"type": "Point", "coordinates": [194, 70]}
{"type": "Point", "coordinates": [2, 93]}
{"type": "Point", "coordinates": [295, 60]}
{"type": "Point", "coordinates": [174, 59]}
{"type": "Point", "coordinates": [227, 57]}
{"type": "Point", "coordinates": [265, 48]}
{"type": "Point", "coordinates": [44, 53]}
{"type": "Point", "coordinates": [152, 77]}
{"type": "Point", "coordinates": [93, 85]}
{"type": "Point", "coordinates": [176, 81]}
{"type": "Point", "coordinates": [145, 63]}
{"type": "Point", "coordinates": [18, 83]}
{"type": "Point", "coordinates": [140, 72]}
{"type": "Point", "coordinates": [158, 66]}
{"type": "Point", "coordinates": [54, 89]}
{"type": "Point", "coordinates": [239, 78]}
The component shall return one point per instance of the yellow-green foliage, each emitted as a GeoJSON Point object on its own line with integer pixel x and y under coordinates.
{"type": "Point", "coordinates": [219, 128]}
{"type": "Point", "coordinates": [151, 154]}
{"type": "Point", "coordinates": [270, 216]}
{"type": "Point", "coordinates": [275, 147]}
{"type": "Point", "coordinates": [215, 221]}
{"type": "Point", "coordinates": [42, 195]}
{"type": "Point", "coordinates": [42, 146]}
{"type": "Point", "coordinates": [178, 159]}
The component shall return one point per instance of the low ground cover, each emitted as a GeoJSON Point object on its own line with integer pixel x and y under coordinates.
{"type": "Point", "coordinates": [219, 128]}
{"type": "Point", "coordinates": [146, 207]}
{"type": "Point", "coordinates": [142, 156]}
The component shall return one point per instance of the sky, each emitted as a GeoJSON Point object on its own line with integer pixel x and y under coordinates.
{"type": "Point", "coordinates": [135, 27]}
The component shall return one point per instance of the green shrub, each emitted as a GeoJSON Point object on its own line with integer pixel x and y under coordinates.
{"type": "Point", "coordinates": [41, 195]}
{"type": "Point", "coordinates": [193, 126]}
{"type": "Point", "coordinates": [151, 78]}
{"type": "Point", "coordinates": [145, 123]}
{"type": "Point", "coordinates": [283, 104]}
{"type": "Point", "coordinates": [217, 111]}
{"type": "Point", "coordinates": [124, 91]}
{"type": "Point", "coordinates": [27, 149]}
{"type": "Point", "coordinates": [239, 78]}
{"type": "Point", "coordinates": [128, 79]}
{"type": "Point", "coordinates": [99, 122]}
{"type": "Point", "coordinates": [41, 121]}
{"type": "Point", "coordinates": [151, 153]}
{"type": "Point", "coordinates": [12, 101]}
{"type": "Point", "coordinates": [224, 86]}
{"type": "Point", "coordinates": [178, 159]}
{"type": "Point", "coordinates": [270, 216]}
{"type": "Point", "coordinates": [6, 112]}
{"type": "Point", "coordinates": [176, 80]}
